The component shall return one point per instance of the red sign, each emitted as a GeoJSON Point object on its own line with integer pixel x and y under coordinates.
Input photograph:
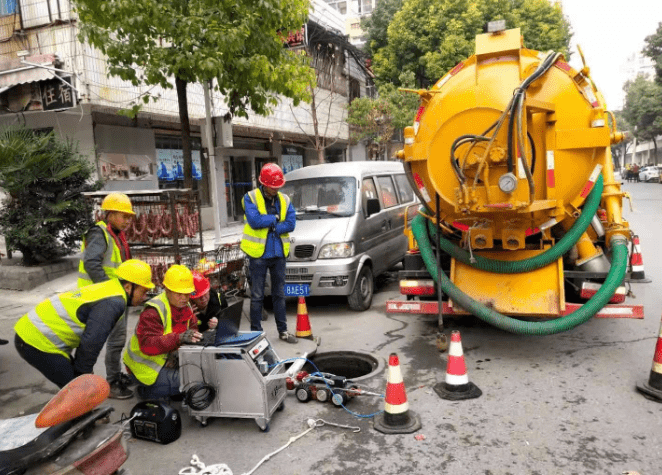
{"type": "Point", "coordinates": [296, 39]}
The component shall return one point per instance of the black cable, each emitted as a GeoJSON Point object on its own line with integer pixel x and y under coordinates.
{"type": "Point", "coordinates": [456, 143]}
{"type": "Point", "coordinates": [511, 122]}
{"type": "Point", "coordinates": [200, 396]}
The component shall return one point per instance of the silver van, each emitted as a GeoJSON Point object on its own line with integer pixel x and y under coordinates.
{"type": "Point", "coordinates": [350, 222]}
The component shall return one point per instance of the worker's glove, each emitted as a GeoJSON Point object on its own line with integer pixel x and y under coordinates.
{"type": "Point", "coordinates": [172, 361]}
{"type": "Point", "coordinates": [189, 336]}
{"type": "Point", "coordinates": [272, 227]}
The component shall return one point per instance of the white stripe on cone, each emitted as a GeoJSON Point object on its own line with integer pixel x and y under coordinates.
{"type": "Point", "coordinates": [455, 348]}
{"type": "Point", "coordinates": [399, 409]}
{"type": "Point", "coordinates": [456, 380]}
{"type": "Point", "coordinates": [394, 375]}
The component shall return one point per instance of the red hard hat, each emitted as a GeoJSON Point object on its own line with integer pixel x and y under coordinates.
{"type": "Point", "coordinates": [272, 176]}
{"type": "Point", "coordinates": [201, 284]}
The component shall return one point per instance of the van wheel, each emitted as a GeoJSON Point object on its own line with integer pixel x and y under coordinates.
{"type": "Point", "coordinates": [361, 297]}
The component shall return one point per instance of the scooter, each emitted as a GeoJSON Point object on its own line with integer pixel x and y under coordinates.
{"type": "Point", "coordinates": [71, 435]}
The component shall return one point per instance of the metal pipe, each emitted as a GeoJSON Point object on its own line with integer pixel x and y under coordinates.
{"type": "Point", "coordinates": [597, 226]}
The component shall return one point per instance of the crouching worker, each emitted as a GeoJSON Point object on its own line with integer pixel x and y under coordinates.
{"type": "Point", "coordinates": [166, 323]}
{"type": "Point", "coordinates": [80, 320]}
{"type": "Point", "coordinates": [206, 302]}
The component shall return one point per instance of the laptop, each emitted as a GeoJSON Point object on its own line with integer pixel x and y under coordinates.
{"type": "Point", "coordinates": [229, 320]}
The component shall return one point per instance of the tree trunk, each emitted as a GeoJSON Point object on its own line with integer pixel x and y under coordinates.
{"type": "Point", "coordinates": [186, 131]}
{"type": "Point", "coordinates": [319, 145]}
{"type": "Point", "coordinates": [655, 151]}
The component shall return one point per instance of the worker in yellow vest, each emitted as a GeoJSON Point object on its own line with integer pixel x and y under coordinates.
{"type": "Point", "coordinates": [104, 248]}
{"type": "Point", "coordinates": [79, 321]}
{"type": "Point", "coordinates": [269, 218]}
{"type": "Point", "coordinates": [166, 322]}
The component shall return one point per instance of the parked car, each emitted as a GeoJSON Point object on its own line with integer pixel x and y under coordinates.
{"type": "Point", "coordinates": [650, 173]}
{"type": "Point", "coordinates": [350, 223]}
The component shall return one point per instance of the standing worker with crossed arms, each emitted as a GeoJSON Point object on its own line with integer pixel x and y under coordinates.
{"type": "Point", "coordinates": [104, 248]}
{"type": "Point", "coordinates": [269, 218]}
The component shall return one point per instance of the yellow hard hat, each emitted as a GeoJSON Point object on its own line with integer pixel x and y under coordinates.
{"type": "Point", "coordinates": [137, 272]}
{"type": "Point", "coordinates": [179, 278]}
{"type": "Point", "coordinates": [117, 202]}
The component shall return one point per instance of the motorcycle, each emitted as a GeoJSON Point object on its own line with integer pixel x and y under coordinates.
{"type": "Point", "coordinates": [71, 435]}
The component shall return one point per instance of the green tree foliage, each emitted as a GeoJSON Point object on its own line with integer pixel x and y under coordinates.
{"type": "Point", "coordinates": [619, 150]}
{"type": "Point", "coordinates": [376, 25]}
{"type": "Point", "coordinates": [429, 37]}
{"type": "Point", "coordinates": [643, 109]}
{"type": "Point", "coordinates": [371, 120]}
{"type": "Point", "coordinates": [376, 120]}
{"type": "Point", "coordinates": [236, 43]}
{"type": "Point", "coordinates": [653, 50]}
{"type": "Point", "coordinates": [44, 214]}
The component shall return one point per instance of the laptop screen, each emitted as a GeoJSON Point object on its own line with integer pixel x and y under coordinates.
{"type": "Point", "coordinates": [229, 321]}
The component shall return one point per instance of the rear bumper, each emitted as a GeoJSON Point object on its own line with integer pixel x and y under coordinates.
{"type": "Point", "coordinates": [432, 308]}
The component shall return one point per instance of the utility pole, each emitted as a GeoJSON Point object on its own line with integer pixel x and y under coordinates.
{"type": "Point", "coordinates": [212, 168]}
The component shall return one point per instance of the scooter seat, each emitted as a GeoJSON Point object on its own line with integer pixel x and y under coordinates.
{"type": "Point", "coordinates": [23, 449]}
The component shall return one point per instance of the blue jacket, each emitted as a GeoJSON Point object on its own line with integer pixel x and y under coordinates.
{"type": "Point", "coordinates": [274, 246]}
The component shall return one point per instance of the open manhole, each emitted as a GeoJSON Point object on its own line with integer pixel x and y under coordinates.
{"type": "Point", "coordinates": [355, 365]}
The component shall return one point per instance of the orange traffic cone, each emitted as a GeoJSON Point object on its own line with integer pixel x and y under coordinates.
{"type": "Point", "coordinates": [653, 388]}
{"type": "Point", "coordinates": [396, 418]}
{"type": "Point", "coordinates": [303, 323]}
{"type": "Point", "coordinates": [637, 273]}
{"type": "Point", "coordinates": [457, 385]}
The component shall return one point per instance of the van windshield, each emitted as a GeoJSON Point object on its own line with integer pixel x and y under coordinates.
{"type": "Point", "coordinates": [323, 197]}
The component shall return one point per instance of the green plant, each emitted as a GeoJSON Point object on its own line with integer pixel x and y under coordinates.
{"type": "Point", "coordinates": [44, 214]}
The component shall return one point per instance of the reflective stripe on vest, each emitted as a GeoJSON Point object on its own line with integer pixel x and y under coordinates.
{"type": "Point", "coordinates": [254, 241]}
{"type": "Point", "coordinates": [53, 326]}
{"type": "Point", "coordinates": [111, 259]}
{"type": "Point", "coordinates": [145, 367]}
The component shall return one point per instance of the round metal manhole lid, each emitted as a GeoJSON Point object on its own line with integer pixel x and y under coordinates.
{"type": "Point", "coordinates": [355, 365]}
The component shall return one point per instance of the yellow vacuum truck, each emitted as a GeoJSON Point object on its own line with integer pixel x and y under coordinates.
{"type": "Point", "coordinates": [521, 223]}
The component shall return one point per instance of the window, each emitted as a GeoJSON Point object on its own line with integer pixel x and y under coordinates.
{"type": "Point", "coordinates": [368, 192]}
{"type": "Point", "coordinates": [7, 7]}
{"type": "Point", "coordinates": [404, 190]}
{"type": "Point", "coordinates": [170, 166]}
{"type": "Point", "coordinates": [322, 197]}
{"type": "Point", "coordinates": [388, 196]}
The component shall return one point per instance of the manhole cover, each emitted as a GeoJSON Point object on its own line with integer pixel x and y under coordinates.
{"type": "Point", "coordinates": [354, 365]}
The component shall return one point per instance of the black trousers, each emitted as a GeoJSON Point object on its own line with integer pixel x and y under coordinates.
{"type": "Point", "coordinates": [58, 369]}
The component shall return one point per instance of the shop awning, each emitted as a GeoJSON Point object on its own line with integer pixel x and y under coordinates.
{"type": "Point", "coordinates": [27, 73]}
{"type": "Point", "coordinates": [24, 75]}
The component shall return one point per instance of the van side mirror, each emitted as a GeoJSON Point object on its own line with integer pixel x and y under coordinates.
{"type": "Point", "coordinates": [372, 206]}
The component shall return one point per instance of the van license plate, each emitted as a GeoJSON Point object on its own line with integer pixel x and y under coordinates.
{"type": "Point", "coordinates": [297, 290]}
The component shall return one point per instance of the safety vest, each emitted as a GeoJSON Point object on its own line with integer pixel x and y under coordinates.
{"type": "Point", "coordinates": [111, 259]}
{"type": "Point", "coordinates": [254, 241]}
{"type": "Point", "coordinates": [53, 326]}
{"type": "Point", "coordinates": [145, 367]}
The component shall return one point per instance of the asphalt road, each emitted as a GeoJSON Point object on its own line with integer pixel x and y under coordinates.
{"type": "Point", "coordinates": [563, 404]}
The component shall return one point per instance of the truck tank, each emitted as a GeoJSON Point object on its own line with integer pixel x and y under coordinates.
{"type": "Point", "coordinates": [510, 155]}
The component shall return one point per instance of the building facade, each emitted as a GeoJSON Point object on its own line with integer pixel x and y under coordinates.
{"type": "Point", "coordinates": [49, 80]}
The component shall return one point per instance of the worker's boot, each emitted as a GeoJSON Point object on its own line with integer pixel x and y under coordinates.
{"type": "Point", "coordinates": [119, 390]}
{"type": "Point", "coordinates": [288, 337]}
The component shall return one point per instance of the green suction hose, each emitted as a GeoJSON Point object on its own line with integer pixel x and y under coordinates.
{"type": "Point", "coordinates": [509, 324]}
{"type": "Point", "coordinates": [532, 263]}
